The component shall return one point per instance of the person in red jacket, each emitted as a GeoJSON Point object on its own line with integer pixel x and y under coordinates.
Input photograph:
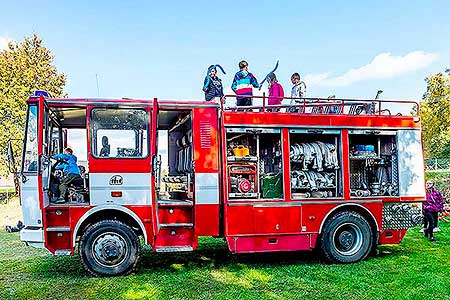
{"type": "Point", "coordinates": [276, 92]}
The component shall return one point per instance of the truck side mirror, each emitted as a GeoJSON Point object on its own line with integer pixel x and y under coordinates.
{"type": "Point", "coordinates": [11, 162]}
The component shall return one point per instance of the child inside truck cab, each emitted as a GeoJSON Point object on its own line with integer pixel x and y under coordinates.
{"type": "Point", "coordinates": [68, 164]}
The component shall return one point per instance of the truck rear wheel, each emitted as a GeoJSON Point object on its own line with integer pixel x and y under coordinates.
{"type": "Point", "coordinates": [346, 238]}
{"type": "Point", "coordinates": [109, 248]}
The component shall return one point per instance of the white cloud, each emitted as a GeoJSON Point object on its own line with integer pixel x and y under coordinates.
{"type": "Point", "coordinates": [4, 42]}
{"type": "Point", "coordinates": [383, 66]}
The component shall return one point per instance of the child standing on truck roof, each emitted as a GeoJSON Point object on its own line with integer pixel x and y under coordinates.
{"type": "Point", "coordinates": [212, 85]}
{"type": "Point", "coordinates": [243, 84]}
{"type": "Point", "coordinates": [276, 92]}
{"type": "Point", "coordinates": [299, 87]}
{"type": "Point", "coordinates": [298, 91]}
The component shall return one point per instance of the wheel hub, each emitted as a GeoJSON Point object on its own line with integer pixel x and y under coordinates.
{"type": "Point", "coordinates": [109, 249]}
{"type": "Point", "coordinates": [346, 239]}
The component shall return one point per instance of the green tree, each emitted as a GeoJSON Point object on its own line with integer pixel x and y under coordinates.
{"type": "Point", "coordinates": [435, 115]}
{"type": "Point", "coordinates": [24, 67]}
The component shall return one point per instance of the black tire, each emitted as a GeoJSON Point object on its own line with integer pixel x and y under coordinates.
{"type": "Point", "coordinates": [346, 238]}
{"type": "Point", "coordinates": [109, 248]}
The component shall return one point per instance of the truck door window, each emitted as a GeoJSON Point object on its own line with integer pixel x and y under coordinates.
{"type": "Point", "coordinates": [119, 133]}
{"type": "Point", "coordinates": [31, 146]}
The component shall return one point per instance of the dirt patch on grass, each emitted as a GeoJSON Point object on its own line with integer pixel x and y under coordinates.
{"type": "Point", "coordinates": [10, 213]}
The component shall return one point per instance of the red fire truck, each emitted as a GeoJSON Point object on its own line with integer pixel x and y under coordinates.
{"type": "Point", "coordinates": [339, 175]}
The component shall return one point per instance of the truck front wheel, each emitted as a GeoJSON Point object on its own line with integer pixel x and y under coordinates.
{"type": "Point", "coordinates": [109, 248]}
{"type": "Point", "coordinates": [346, 238]}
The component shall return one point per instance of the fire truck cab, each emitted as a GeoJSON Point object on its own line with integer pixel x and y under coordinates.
{"type": "Point", "coordinates": [334, 175]}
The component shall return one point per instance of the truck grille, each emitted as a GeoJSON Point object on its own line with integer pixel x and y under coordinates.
{"type": "Point", "coordinates": [401, 215]}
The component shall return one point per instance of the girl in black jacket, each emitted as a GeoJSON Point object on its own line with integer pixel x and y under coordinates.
{"type": "Point", "coordinates": [213, 85]}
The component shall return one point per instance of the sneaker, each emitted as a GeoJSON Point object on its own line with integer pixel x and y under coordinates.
{"type": "Point", "coordinates": [422, 230]}
{"type": "Point", "coordinates": [433, 240]}
{"type": "Point", "coordinates": [60, 201]}
{"type": "Point", "coordinates": [436, 229]}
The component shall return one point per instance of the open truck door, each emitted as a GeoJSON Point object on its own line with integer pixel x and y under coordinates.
{"type": "Point", "coordinates": [31, 181]}
{"type": "Point", "coordinates": [156, 168]}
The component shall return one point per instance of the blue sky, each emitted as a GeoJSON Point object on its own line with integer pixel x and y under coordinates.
{"type": "Point", "coordinates": [163, 48]}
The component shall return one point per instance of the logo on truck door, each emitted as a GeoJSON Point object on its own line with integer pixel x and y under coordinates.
{"type": "Point", "coordinates": [116, 180]}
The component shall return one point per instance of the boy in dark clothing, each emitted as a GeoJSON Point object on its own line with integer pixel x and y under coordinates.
{"type": "Point", "coordinates": [242, 85]}
{"type": "Point", "coordinates": [68, 163]}
{"type": "Point", "coordinates": [213, 85]}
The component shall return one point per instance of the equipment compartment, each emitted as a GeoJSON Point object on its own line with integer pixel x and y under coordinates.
{"type": "Point", "coordinates": [315, 163]}
{"type": "Point", "coordinates": [254, 163]}
{"type": "Point", "coordinates": [373, 163]}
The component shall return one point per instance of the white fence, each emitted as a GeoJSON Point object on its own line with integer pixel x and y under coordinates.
{"type": "Point", "coordinates": [437, 164]}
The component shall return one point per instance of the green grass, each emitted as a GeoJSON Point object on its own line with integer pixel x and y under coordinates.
{"type": "Point", "coordinates": [415, 269]}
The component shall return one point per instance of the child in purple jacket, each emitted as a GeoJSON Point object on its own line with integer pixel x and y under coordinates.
{"type": "Point", "coordinates": [431, 207]}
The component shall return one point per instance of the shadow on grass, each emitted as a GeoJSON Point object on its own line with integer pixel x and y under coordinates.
{"type": "Point", "coordinates": [214, 253]}
{"type": "Point", "coordinates": [207, 256]}
{"type": "Point", "coordinates": [61, 267]}
{"type": "Point", "coordinates": [211, 253]}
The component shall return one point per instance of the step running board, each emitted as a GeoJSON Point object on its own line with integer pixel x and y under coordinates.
{"type": "Point", "coordinates": [63, 252]}
{"type": "Point", "coordinates": [166, 202]}
{"type": "Point", "coordinates": [173, 225]}
{"type": "Point", "coordinates": [58, 229]}
{"type": "Point", "coordinates": [174, 249]}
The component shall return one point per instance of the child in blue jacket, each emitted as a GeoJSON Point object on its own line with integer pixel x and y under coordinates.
{"type": "Point", "coordinates": [68, 164]}
{"type": "Point", "coordinates": [243, 84]}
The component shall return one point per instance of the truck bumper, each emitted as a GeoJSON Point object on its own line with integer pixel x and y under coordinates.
{"type": "Point", "coordinates": [33, 237]}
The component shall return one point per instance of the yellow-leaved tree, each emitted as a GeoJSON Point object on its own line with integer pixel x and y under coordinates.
{"type": "Point", "coordinates": [25, 66]}
{"type": "Point", "coordinates": [435, 116]}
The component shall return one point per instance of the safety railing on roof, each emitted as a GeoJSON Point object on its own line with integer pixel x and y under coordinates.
{"type": "Point", "coordinates": [327, 106]}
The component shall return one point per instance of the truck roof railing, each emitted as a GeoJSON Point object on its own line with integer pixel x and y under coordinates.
{"type": "Point", "coordinates": [328, 106]}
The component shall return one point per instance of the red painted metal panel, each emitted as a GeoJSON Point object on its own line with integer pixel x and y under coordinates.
{"type": "Point", "coordinates": [175, 215]}
{"type": "Point", "coordinates": [153, 154]}
{"type": "Point", "coordinates": [392, 236]}
{"type": "Point", "coordinates": [119, 165]}
{"type": "Point", "coordinates": [239, 220]}
{"type": "Point", "coordinates": [313, 215]}
{"type": "Point", "coordinates": [277, 219]}
{"type": "Point", "coordinates": [268, 243]}
{"type": "Point", "coordinates": [206, 143]}
{"type": "Point", "coordinates": [286, 164]}
{"type": "Point", "coordinates": [57, 217]}
{"type": "Point", "coordinates": [175, 237]}
{"type": "Point", "coordinates": [223, 181]}
{"type": "Point", "coordinates": [207, 220]}
{"type": "Point", "coordinates": [144, 212]}
{"type": "Point", "coordinates": [58, 241]}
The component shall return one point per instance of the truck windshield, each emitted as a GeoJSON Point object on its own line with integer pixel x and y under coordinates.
{"type": "Point", "coordinates": [30, 158]}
